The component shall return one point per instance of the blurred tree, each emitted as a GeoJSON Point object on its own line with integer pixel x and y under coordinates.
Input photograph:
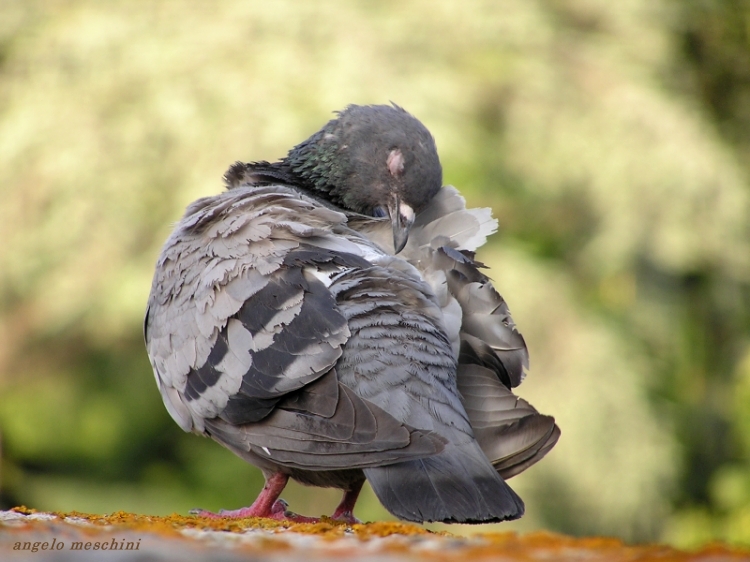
{"type": "Point", "coordinates": [610, 139]}
{"type": "Point", "coordinates": [715, 45]}
{"type": "Point", "coordinates": [706, 376]}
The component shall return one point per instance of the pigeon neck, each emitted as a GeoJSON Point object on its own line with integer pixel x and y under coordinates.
{"type": "Point", "coordinates": [317, 166]}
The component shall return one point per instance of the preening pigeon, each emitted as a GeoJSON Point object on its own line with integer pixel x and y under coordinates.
{"type": "Point", "coordinates": [324, 319]}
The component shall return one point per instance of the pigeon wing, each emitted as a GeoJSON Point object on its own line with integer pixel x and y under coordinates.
{"type": "Point", "coordinates": [243, 332]}
{"type": "Point", "coordinates": [492, 354]}
{"type": "Point", "coordinates": [442, 244]}
{"type": "Point", "coordinates": [509, 430]}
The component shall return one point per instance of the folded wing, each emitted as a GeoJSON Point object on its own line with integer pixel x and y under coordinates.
{"type": "Point", "coordinates": [244, 334]}
{"type": "Point", "coordinates": [492, 352]}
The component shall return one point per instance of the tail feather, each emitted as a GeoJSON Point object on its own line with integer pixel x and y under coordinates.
{"type": "Point", "coordinates": [457, 486]}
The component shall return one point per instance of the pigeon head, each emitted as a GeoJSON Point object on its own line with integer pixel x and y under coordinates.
{"type": "Point", "coordinates": [376, 160]}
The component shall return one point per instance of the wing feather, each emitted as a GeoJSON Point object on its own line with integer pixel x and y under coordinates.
{"type": "Point", "coordinates": [492, 354]}
{"type": "Point", "coordinates": [509, 430]}
{"type": "Point", "coordinates": [244, 333]}
{"type": "Point", "coordinates": [228, 319]}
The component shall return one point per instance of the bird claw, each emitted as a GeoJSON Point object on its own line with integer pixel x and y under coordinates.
{"type": "Point", "coordinates": [278, 511]}
{"type": "Point", "coordinates": [204, 513]}
{"type": "Point", "coordinates": [279, 507]}
{"type": "Point", "coordinates": [346, 517]}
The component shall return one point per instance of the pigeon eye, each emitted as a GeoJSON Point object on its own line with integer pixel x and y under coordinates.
{"type": "Point", "coordinates": [379, 212]}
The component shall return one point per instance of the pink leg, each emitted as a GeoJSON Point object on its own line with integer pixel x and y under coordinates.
{"type": "Point", "coordinates": [345, 510]}
{"type": "Point", "coordinates": [267, 504]}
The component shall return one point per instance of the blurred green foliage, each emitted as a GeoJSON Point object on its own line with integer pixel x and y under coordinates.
{"type": "Point", "coordinates": [612, 140]}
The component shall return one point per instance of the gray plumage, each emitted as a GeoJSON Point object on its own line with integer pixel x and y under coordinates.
{"type": "Point", "coordinates": [281, 324]}
{"type": "Point", "coordinates": [492, 354]}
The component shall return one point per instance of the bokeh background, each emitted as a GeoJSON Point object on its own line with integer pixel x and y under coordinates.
{"type": "Point", "coordinates": [612, 140]}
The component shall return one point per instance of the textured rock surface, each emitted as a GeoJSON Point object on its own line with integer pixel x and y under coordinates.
{"type": "Point", "coordinates": [139, 537]}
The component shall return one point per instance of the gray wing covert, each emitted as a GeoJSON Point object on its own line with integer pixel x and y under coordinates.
{"type": "Point", "coordinates": [243, 333]}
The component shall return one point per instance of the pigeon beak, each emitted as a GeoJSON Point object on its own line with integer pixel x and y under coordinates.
{"type": "Point", "coordinates": [402, 217]}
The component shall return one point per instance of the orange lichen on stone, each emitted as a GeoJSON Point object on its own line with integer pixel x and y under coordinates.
{"type": "Point", "coordinates": [171, 524]}
{"type": "Point", "coordinates": [368, 531]}
{"type": "Point", "coordinates": [23, 510]}
{"type": "Point", "coordinates": [552, 546]}
{"type": "Point", "coordinates": [338, 541]}
{"type": "Point", "coordinates": [174, 523]}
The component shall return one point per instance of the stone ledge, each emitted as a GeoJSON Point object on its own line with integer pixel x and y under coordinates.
{"type": "Point", "coordinates": [128, 537]}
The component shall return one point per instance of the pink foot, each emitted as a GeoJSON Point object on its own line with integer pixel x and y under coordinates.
{"type": "Point", "coordinates": [267, 504]}
{"type": "Point", "coordinates": [345, 517]}
{"type": "Point", "coordinates": [345, 510]}
{"type": "Point", "coordinates": [278, 511]}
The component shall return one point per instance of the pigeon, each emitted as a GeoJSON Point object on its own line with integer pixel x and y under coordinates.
{"type": "Point", "coordinates": [325, 319]}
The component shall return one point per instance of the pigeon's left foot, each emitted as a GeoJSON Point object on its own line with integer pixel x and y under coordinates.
{"type": "Point", "coordinates": [345, 510]}
{"type": "Point", "coordinates": [280, 512]}
{"type": "Point", "coordinates": [278, 509]}
{"type": "Point", "coordinates": [266, 505]}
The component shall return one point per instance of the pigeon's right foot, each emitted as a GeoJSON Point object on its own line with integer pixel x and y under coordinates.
{"type": "Point", "coordinates": [345, 510]}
